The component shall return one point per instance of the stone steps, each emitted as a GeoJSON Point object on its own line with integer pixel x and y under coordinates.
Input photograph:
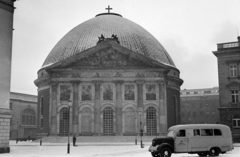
{"type": "Point", "coordinates": [98, 139]}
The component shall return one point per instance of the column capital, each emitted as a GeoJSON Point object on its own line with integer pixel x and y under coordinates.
{"type": "Point", "coordinates": [140, 81]}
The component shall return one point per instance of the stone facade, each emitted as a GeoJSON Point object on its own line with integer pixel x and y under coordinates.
{"type": "Point", "coordinates": [200, 106]}
{"type": "Point", "coordinates": [6, 22]}
{"type": "Point", "coordinates": [20, 105]}
{"type": "Point", "coordinates": [131, 87]}
{"type": "Point", "coordinates": [228, 56]}
{"type": "Point", "coordinates": [119, 85]}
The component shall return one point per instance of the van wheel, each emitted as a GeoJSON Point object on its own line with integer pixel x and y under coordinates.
{"type": "Point", "coordinates": [202, 154]}
{"type": "Point", "coordinates": [165, 152]}
{"type": "Point", "coordinates": [214, 152]}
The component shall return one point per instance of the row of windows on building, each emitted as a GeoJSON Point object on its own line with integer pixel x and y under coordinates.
{"type": "Point", "coordinates": [201, 114]}
{"type": "Point", "coordinates": [28, 117]}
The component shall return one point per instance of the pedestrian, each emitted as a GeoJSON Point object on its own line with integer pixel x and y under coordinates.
{"type": "Point", "coordinates": [74, 140]}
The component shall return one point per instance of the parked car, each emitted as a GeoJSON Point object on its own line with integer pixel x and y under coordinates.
{"type": "Point", "coordinates": [201, 139]}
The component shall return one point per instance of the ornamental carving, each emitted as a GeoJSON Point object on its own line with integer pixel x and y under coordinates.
{"type": "Point", "coordinates": [107, 58]}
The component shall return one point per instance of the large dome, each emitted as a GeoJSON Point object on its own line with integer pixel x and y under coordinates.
{"type": "Point", "coordinates": [130, 35]}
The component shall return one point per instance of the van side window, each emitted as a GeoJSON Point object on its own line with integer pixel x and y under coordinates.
{"type": "Point", "coordinates": [181, 133]}
{"type": "Point", "coordinates": [206, 132]}
{"type": "Point", "coordinates": [196, 132]}
{"type": "Point", "coordinates": [217, 132]}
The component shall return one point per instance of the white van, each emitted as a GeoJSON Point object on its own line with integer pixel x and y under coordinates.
{"type": "Point", "coordinates": [201, 139]}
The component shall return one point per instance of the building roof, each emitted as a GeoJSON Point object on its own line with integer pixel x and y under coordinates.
{"type": "Point", "coordinates": [23, 97]}
{"type": "Point", "coordinates": [200, 92]}
{"type": "Point", "coordinates": [130, 35]}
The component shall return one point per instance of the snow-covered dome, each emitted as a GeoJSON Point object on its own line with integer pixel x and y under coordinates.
{"type": "Point", "coordinates": [130, 35]}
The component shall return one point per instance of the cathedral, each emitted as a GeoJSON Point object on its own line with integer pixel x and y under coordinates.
{"type": "Point", "coordinates": [108, 76]}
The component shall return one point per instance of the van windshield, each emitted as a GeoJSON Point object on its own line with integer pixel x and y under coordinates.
{"type": "Point", "coordinates": [171, 133]}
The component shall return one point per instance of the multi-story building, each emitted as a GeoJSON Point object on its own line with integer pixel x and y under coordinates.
{"type": "Point", "coordinates": [24, 112]}
{"type": "Point", "coordinates": [200, 106]}
{"type": "Point", "coordinates": [6, 33]}
{"type": "Point", "coordinates": [228, 56]}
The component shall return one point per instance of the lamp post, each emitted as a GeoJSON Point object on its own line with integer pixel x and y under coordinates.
{"type": "Point", "coordinates": [141, 130]}
{"type": "Point", "coordinates": [68, 145]}
{"type": "Point", "coordinates": [135, 130]}
{"type": "Point", "coordinates": [17, 132]}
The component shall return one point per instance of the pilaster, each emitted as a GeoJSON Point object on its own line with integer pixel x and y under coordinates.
{"type": "Point", "coordinates": [97, 108]}
{"type": "Point", "coordinates": [140, 107]}
{"type": "Point", "coordinates": [53, 106]}
{"type": "Point", "coordinates": [162, 108]}
{"type": "Point", "coordinates": [75, 107]}
{"type": "Point", "coordinates": [119, 108]}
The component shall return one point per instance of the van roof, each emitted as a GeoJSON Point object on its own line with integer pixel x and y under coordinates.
{"type": "Point", "coordinates": [191, 126]}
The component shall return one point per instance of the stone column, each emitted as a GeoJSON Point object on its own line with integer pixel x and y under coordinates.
{"type": "Point", "coordinates": [162, 108]}
{"type": "Point", "coordinates": [75, 107]}
{"type": "Point", "coordinates": [140, 104]}
{"type": "Point", "coordinates": [53, 117]}
{"type": "Point", "coordinates": [119, 108]}
{"type": "Point", "coordinates": [97, 108]}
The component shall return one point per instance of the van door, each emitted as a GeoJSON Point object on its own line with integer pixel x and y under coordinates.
{"type": "Point", "coordinates": [181, 141]}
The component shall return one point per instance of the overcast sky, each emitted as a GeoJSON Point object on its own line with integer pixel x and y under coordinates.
{"type": "Point", "coordinates": [188, 29]}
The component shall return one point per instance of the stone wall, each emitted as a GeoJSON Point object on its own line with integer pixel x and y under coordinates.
{"type": "Point", "coordinates": [173, 106]}
{"type": "Point", "coordinates": [45, 94]}
{"type": "Point", "coordinates": [5, 117]}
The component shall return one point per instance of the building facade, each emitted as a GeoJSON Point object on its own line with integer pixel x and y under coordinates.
{"type": "Point", "coordinates": [108, 76]}
{"type": "Point", "coordinates": [228, 57]}
{"type": "Point", "coordinates": [200, 106]}
{"type": "Point", "coordinates": [24, 116]}
{"type": "Point", "coordinates": [6, 29]}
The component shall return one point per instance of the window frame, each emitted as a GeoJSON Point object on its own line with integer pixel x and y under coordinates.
{"type": "Point", "coordinates": [234, 96]}
{"type": "Point", "coordinates": [233, 70]}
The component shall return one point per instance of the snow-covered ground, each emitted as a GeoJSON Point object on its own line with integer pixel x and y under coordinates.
{"type": "Point", "coordinates": [33, 149]}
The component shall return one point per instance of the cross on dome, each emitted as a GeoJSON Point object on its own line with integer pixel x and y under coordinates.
{"type": "Point", "coordinates": [108, 8]}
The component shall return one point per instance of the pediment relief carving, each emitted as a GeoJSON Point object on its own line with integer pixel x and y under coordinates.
{"type": "Point", "coordinates": [108, 58]}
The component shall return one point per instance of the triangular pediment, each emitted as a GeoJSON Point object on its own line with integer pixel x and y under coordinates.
{"type": "Point", "coordinates": [107, 56]}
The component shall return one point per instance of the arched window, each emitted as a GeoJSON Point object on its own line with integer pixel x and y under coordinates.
{"type": "Point", "coordinates": [28, 117]}
{"type": "Point", "coordinates": [108, 121]}
{"type": "Point", "coordinates": [151, 121]}
{"type": "Point", "coordinates": [236, 121]}
{"type": "Point", "coordinates": [64, 121]}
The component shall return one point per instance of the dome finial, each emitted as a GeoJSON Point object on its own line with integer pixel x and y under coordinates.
{"type": "Point", "coordinates": [108, 8]}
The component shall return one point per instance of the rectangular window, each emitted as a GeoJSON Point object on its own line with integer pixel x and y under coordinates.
{"type": "Point", "coordinates": [234, 96]}
{"type": "Point", "coordinates": [181, 133]}
{"type": "Point", "coordinates": [196, 132]}
{"type": "Point", "coordinates": [206, 132]}
{"type": "Point", "coordinates": [233, 70]}
{"type": "Point", "coordinates": [217, 132]}
{"type": "Point", "coordinates": [236, 122]}
{"type": "Point", "coordinates": [201, 113]}
{"type": "Point", "coordinates": [41, 105]}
